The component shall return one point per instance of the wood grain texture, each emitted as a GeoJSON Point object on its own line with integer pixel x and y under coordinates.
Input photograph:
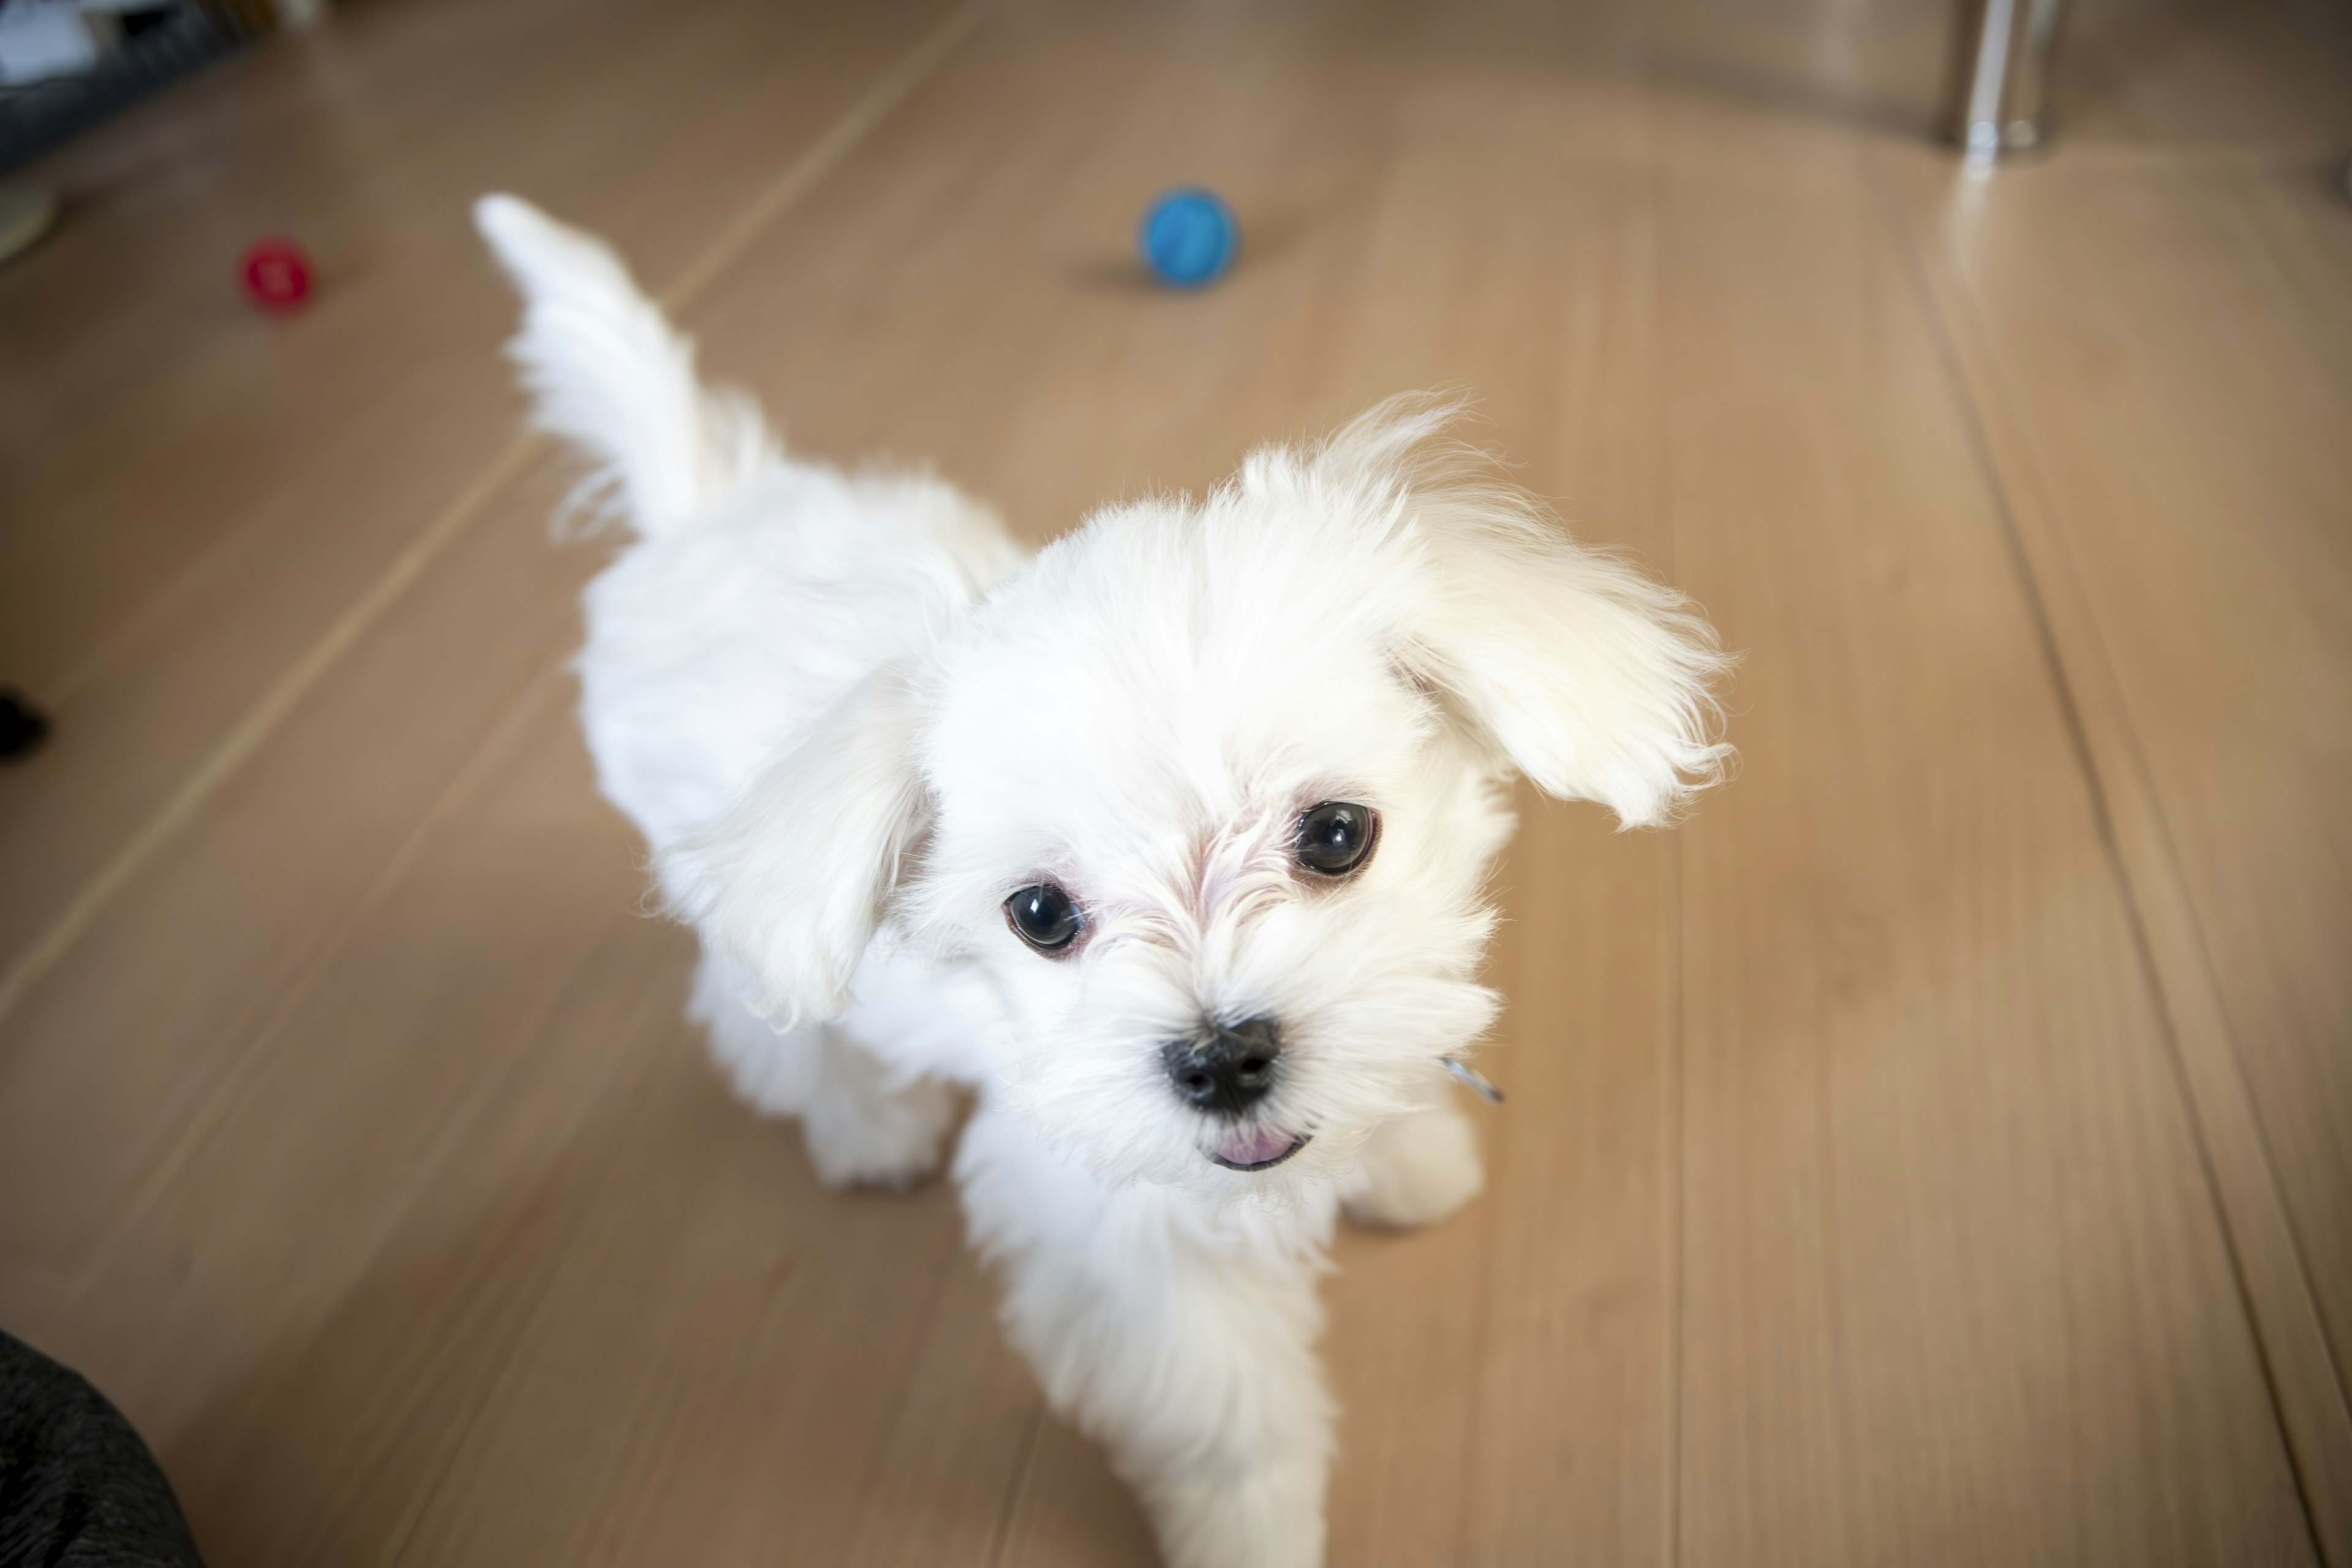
{"type": "Point", "coordinates": [1911, 985]}
{"type": "Point", "coordinates": [2163, 409]}
{"type": "Point", "coordinates": [282, 467]}
{"type": "Point", "coordinates": [1923, 1155]}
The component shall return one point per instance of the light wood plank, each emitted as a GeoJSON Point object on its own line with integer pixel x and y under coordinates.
{"type": "Point", "coordinates": [714, 1367]}
{"type": "Point", "coordinates": [1955, 1285]}
{"type": "Point", "coordinates": [270, 880]}
{"type": "Point", "coordinates": [281, 466]}
{"type": "Point", "coordinates": [429, 1015]}
{"type": "Point", "coordinates": [329, 1447]}
{"type": "Point", "coordinates": [2112, 322]}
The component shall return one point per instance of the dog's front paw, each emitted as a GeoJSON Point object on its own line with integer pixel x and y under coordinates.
{"type": "Point", "coordinates": [1270, 1517]}
{"type": "Point", "coordinates": [876, 1136]}
{"type": "Point", "coordinates": [1415, 1171]}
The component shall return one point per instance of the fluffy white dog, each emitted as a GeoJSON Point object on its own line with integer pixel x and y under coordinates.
{"type": "Point", "coordinates": [1168, 841]}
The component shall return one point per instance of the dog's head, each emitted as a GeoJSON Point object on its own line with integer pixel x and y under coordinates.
{"type": "Point", "coordinates": [1209, 791]}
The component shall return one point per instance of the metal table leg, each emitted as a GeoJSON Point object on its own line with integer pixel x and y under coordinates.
{"type": "Point", "coordinates": [2000, 64]}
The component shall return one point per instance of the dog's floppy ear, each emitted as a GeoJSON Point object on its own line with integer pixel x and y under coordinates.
{"type": "Point", "coordinates": [1588, 676]}
{"type": "Point", "coordinates": [791, 879]}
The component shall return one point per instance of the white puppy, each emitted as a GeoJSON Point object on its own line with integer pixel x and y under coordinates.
{"type": "Point", "coordinates": [1168, 841]}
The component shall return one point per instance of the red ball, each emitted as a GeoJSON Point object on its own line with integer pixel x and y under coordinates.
{"type": "Point", "coordinates": [276, 274]}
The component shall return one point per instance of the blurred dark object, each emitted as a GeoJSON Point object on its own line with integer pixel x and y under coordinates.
{"type": "Point", "coordinates": [135, 50]}
{"type": "Point", "coordinates": [22, 729]}
{"type": "Point", "coordinates": [77, 1489]}
{"type": "Point", "coordinates": [1998, 99]}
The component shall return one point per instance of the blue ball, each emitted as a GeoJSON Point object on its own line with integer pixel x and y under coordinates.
{"type": "Point", "coordinates": [1189, 237]}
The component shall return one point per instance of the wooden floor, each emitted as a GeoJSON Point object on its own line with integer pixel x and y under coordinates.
{"type": "Point", "coordinates": [1937, 1151]}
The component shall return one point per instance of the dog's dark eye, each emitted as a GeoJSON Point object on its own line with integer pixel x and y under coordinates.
{"type": "Point", "coordinates": [1044, 917]}
{"type": "Point", "coordinates": [1336, 837]}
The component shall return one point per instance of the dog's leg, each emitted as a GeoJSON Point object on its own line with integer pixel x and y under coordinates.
{"type": "Point", "coordinates": [864, 1124]}
{"type": "Point", "coordinates": [1181, 1337]}
{"type": "Point", "coordinates": [1415, 1171]}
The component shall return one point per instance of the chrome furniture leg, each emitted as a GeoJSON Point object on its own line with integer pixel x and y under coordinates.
{"type": "Point", "coordinates": [2000, 65]}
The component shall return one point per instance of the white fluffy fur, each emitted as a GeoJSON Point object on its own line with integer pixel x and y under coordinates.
{"type": "Point", "coordinates": [852, 718]}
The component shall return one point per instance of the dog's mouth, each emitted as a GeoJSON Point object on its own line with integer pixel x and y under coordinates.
{"type": "Point", "coordinates": [1257, 1148]}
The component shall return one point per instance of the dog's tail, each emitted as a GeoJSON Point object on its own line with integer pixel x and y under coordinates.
{"type": "Point", "coordinates": [611, 376]}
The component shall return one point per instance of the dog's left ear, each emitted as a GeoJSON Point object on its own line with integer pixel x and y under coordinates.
{"type": "Point", "coordinates": [1592, 679]}
{"type": "Point", "coordinates": [1595, 681]}
{"type": "Point", "coordinates": [790, 880]}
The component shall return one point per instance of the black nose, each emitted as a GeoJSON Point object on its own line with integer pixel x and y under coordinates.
{"type": "Point", "coordinates": [1226, 1067]}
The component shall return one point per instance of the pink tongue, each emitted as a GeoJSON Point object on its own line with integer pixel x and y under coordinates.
{"type": "Point", "coordinates": [1251, 1145]}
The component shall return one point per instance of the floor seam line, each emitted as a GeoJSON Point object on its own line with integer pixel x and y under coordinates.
{"type": "Point", "coordinates": [261, 1026]}
{"type": "Point", "coordinates": [2130, 894]}
{"type": "Point", "coordinates": [1001, 1537]}
{"type": "Point", "coordinates": [255, 728]}
{"type": "Point", "coordinates": [560, 1253]}
{"type": "Point", "coordinates": [1676, 1051]}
